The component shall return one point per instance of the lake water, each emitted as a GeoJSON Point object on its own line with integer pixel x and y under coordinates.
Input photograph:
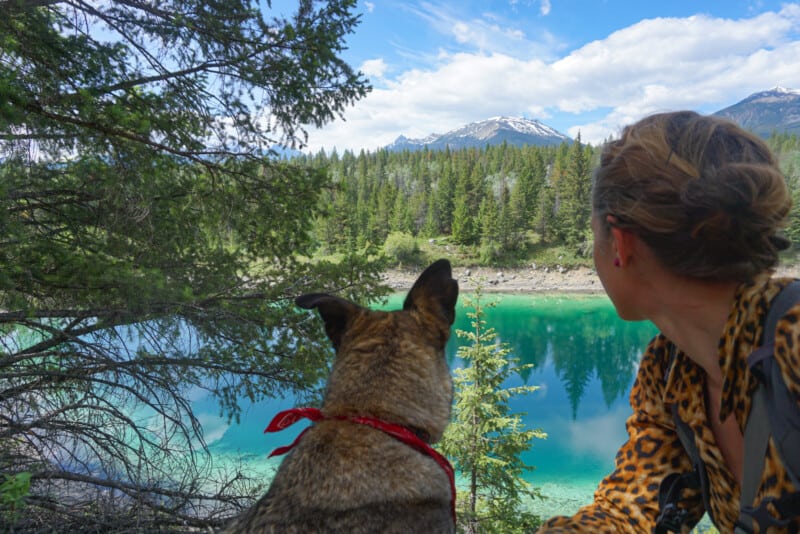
{"type": "Point", "coordinates": [584, 358]}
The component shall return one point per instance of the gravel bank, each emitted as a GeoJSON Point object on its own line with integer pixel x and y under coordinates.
{"type": "Point", "coordinates": [525, 280]}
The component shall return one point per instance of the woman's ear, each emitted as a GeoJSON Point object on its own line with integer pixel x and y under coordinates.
{"type": "Point", "coordinates": [622, 242]}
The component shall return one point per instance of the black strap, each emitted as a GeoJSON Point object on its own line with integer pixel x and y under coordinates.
{"type": "Point", "coordinates": [686, 435]}
{"type": "Point", "coordinates": [780, 305]}
{"type": "Point", "coordinates": [671, 517]}
{"type": "Point", "coordinates": [783, 412]}
{"type": "Point", "coordinates": [785, 427]}
{"type": "Point", "coordinates": [782, 405]}
{"type": "Point", "coordinates": [787, 506]}
{"type": "Point", "coordinates": [774, 412]}
{"type": "Point", "coordinates": [756, 439]}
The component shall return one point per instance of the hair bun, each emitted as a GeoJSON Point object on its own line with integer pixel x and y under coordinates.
{"type": "Point", "coordinates": [707, 196]}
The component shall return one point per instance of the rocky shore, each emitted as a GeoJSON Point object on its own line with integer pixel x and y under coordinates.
{"type": "Point", "coordinates": [519, 280]}
{"type": "Point", "coordinates": [531, 279]}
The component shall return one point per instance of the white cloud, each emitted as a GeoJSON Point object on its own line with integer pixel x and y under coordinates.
{"type": "Point", "coordinates": [545, 8]}
{"type": "Point", "coordinates": [373, 68]}
{"type": "Point", "coordinates": [698, 62]}
{"type": "Point", "coordinates": [369, 6]}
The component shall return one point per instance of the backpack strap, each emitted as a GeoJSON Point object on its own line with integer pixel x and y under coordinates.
{"type": "Point", "coordinates": [774, 412]}
{"type": "Point", "coordinates": [756, 439]}
{"type": "Point", "coordinates": [671, 517]}
{"type": "Point", "coordinates": [784, 419]}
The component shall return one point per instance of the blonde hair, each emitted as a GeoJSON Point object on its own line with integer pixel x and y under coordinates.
{"type": "Point", "coordinates": [706, 196]}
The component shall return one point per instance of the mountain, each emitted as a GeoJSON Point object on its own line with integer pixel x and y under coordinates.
{"type": "Point", "coordinates": [776, 110]}
{"type": "Point", "coordinates": [494, 131]}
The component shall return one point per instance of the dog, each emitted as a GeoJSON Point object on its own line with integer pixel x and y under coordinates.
{"type": "Point", "coordinates": [365, 464]}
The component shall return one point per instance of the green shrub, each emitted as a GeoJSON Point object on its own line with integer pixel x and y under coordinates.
{"type": "Point", "coordinates": [13, 491]}
{"type": "Point", "coordinates": [490, 253]}
{"type": "Point", "coordinates": [402, 248]}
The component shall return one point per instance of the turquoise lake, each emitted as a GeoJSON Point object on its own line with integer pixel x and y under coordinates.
{"type": "Point", "coordinates": [584, 358]}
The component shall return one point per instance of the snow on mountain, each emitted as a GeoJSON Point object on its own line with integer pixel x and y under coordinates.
{"type": "Point", "coordinates": [765, 112]}
{"type": "Point", "coordinates": [786, 90]}
{"type": "Point", "coordinates": [494, 131]}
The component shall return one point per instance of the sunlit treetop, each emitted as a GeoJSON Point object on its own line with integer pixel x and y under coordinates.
{"type": "Point", "coordinates": [192, 78]}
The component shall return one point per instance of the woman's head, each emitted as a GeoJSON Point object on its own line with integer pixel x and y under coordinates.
{"type": "Point", "coordinates": [706, 196]}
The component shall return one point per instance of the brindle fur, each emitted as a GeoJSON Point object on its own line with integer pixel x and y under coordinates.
{"type": "Point", "coordinates": [345, 477]}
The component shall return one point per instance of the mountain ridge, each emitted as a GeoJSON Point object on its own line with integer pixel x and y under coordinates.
{"type": "Point", "coordinates": [493, 131]}
{"type": "Point", "coordinates": [765, 112]}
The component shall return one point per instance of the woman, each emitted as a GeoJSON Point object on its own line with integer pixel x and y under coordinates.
{"type": "Point", "coordinates": [686, 215]}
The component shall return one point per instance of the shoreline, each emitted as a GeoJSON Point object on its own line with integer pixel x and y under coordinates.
{"type": "Point", "coordinates": [531, 279]}
{"type": "Point", "coordinates": [509, 280]}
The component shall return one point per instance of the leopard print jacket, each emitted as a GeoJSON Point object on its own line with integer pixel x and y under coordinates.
{"type": "Point", "coordinates": [626, 501]}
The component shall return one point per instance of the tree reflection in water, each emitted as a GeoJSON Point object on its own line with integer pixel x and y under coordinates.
{"type": "Point", "coordinates": [580, 334]}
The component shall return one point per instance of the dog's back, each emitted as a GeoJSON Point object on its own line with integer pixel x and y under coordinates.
{"type": "Point", "coordinates": [346, 476]}
{"type": "Point", "coordinates": [342, 479]}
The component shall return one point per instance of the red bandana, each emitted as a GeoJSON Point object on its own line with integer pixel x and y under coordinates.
{"type": "Point", "coordinates": [287, 418]}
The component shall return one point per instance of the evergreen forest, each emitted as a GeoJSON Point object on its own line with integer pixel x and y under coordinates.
{"type": "Point", "coordinates": [499, 205]}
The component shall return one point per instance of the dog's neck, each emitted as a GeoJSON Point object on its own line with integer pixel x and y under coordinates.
{"type": "Point", "coordinates": [337, 411]}
{"type": "Point", "coordinates": [405, 434]}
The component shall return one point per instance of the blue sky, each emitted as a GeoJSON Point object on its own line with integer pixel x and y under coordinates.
{"type": "Point", "coordinates": [588, 66]}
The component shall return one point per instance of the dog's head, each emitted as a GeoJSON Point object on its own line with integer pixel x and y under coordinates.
{"type": "Point", "coordinates": [391, 365]}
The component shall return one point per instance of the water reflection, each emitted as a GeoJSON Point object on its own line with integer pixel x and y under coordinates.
{"type": "Point", "coordinates": [581, 335]}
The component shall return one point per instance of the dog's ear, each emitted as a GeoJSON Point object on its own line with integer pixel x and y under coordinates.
{"type": "Point", "coordinates": [436, 290]}
{"type": "Point", "coordinates": [335, 312]}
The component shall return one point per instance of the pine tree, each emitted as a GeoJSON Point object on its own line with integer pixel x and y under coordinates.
{"type": "Point", "coordinates": [505, 221]}
{"type": "Point", "coordinates": [445, 192]}
{"type": "Point", "coordinates": [484, 439]}
{"type": "Point", "coordinates": [490, 229]}
{"type": "Point", "coordinates": [430, 227]}
{"type": "Point", "coordinates": [574, 191]}
{"type": "Point", "coordinates": [465, 229]}
{"type": "Point", "coordinates": [463, 224]}
{"type": "Point", "coordinates": [400, 215]}
{"type": "Point", "coordinates": [545, 217]}
{"type": "Point", "coordinates": [526, 190]}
